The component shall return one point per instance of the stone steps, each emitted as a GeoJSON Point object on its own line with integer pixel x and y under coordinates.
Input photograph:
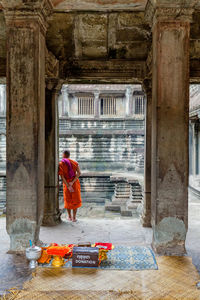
{"type": "Point", "coordinates": [135, 197]}
{"type": "Point", "coordinates": [95, 189]}
{"type": "Point", "coordinates": [93, 200]}
{"type": "Point", "coordinates": [126, 198]}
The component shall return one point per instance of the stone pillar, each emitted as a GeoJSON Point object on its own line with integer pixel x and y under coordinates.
{"type": "Point", "coordinates": [26, 28]}
{"type": "Point", "coordinates": [196, 147]}
{"type": "Point", "coordinates": [60, 101]}
{"type": "Point", "coordinates": [146, 215]}
{"type": "Point", "coordinates": [65, 107]}
{"type": "Point", "coordinates": [193, 149]}
{"type": "Point", "coordinates": [129, 101]}
{"type": "Point", "coordinates": [96, 105]}
{"type": "Point", "coordinates": [51, 204]}
{"type": "Point", "coordinates": [170, 120]}
{"type": "Point", "coordinates": [190, 148]}
{"type": "Point", "coordinates": [2, 99]}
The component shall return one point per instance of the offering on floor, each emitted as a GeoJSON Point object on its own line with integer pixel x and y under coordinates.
{"type": "Point", "coordinates": [103, 249]}
{"type": "Point", "coordinates": [33, 254]}
{"type": "Point", "coordinates": [84, 244]}
{"type": "Point", "coordinates": [87, 257]}
{"type": "Point", "coordinates": [45, 257]}
{"type": "Point", "coordinates": [59, 252]}
{"type": "Point", "coordinates": [83, 254]}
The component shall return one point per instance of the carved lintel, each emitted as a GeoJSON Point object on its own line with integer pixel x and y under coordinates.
{"type": "Point", "coordinates": [147, 86]}
{"type": "Point", "coordinates": [19, 10]}
{"type": "Point", "coordinates": [54, 84]}
{"type": "Point", "coordinates": [163, 10]}
{"type": "Point", "coordinates": [104, 69]}
{"type": "Point", "coordinates": [2, 80]}
{"type": "Point", "coordinates": [149, 11]}
{"type": "Point", "coordinates": [149, 63]}
{"type": "Point", "coordinates": [51, 65]}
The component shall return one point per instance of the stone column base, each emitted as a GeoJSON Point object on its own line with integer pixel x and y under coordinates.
{"type": "Point", "coordinates": [146, 214]}
{"type": "Point", "coordinates": [146, 219]}
{"type": "Point", "coordinates": [172, 249]}
{"type": "Point", "coordinates": [21, 231]}
{"type": "Point", "coordinates": [169, 237]}
{"type": "Point", "coordinates": [52, 219]}
{"type": "Point", "coordinates": [52, 213]}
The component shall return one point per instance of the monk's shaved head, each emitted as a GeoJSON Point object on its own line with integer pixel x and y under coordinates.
{"type": "Point", "coordinates": [66, 153]}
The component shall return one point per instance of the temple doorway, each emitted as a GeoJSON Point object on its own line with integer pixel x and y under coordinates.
{"type": "Point", "coordinates": [193, 234]}
{"type": "Point", "coordinates": [103, 127]}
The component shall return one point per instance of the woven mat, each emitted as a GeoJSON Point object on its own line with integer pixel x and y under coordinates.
{"type": "Point", "coordinates": [175, 278]}
{"type": "Point", "coordinates": [125, 258]}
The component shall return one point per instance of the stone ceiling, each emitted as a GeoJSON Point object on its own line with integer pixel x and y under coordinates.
{"type": "Point", "coordinates": [103, 39]}
{"type": "Point", "coordinates": [99, 5]}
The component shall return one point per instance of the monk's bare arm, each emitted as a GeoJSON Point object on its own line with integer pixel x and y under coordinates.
{"type": "Point", "coordinates": [63, 179]}
{"type": "Point", "coordinates": [68, 185]}
{"type": "Point", "coordinates": [78, 174]}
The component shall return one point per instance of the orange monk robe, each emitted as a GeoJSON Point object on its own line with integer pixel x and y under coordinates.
{"type": "Point", "coordinates": [71, 200]}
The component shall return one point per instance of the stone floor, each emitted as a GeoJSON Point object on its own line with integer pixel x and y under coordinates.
{"type": "Point", "coordinates": [110, 227]}
{"type": "Point", "coordinates": [115, 230]}
{"type": "Point", "coordinates": [175, 279]}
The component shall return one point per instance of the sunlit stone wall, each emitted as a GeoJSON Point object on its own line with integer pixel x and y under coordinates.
{"type": "Point", "coordinates": [2, 128]}
{"type": "Point", "coordinates": [103, 126]}
{"type": "Point", "coordinates": [2, 147]}
{"type": "Point", "coordinates": [102, 144]}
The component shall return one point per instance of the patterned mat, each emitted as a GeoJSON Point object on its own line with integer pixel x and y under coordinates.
{"type": "Point", "coordinates": [125, 258]}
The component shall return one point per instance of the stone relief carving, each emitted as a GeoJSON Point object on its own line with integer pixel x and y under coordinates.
{"type": "Point", "coordinates": [177, 10]}
{"type": "Point", "coordinates": [26, 8]}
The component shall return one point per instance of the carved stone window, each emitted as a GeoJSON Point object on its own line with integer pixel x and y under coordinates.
{"type": "Point", "coordinates": [108, 106]}
{"type": "Point", "coordinates": [139, 105]}
{"type": "Point", "coordinates": [86, 106]}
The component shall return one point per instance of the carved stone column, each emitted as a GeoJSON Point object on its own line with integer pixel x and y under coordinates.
{"type": "Point", "coordinates": [51, 204]}
{"type": "Point", "coordinates": [146, 215]}
{"type": "Point", "coordinates": [26, 28]}
{"type": "Point", "coordinates": [170, 114]}
{"type": "Point", "coordinates": [193, 148]}
{"type": "Point", "coordinates": [96, 105]}
{"type": "Point", "coordinates": [65, 107]}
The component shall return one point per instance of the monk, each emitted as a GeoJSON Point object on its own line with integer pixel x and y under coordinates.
{"type": "Point", "coordinates": [69, 171]}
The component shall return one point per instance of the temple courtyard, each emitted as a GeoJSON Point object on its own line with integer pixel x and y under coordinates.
{"type": "Point", "coordinates": [175, 278]}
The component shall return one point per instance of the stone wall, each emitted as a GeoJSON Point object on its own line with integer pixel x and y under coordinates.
{"type": "Point", "coordinates": [194, 140]}
{"type": "Point", "coordinates": [113, 149]}
{"type": "Point", "coordinates": [2, 147]}
{"type": "Point", "coordinates": [102, 146]}
{"type": "Point", "coordinates": [106, 141]}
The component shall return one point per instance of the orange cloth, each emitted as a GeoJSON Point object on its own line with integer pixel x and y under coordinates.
{"type": "Point", "coordinates": [45, 257]}
{"type": "Point", "coordinates": [71, 200]}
